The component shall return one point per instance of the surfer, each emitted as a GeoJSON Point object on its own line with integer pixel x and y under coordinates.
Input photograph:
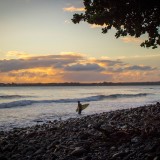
{"type": "Point", "coordinates": [79, 107]}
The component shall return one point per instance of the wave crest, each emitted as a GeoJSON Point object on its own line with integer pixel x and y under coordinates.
{"type": "Point", "coordinates": [85, 99]}
{"type": "Point", "coordinates": [12, 96]}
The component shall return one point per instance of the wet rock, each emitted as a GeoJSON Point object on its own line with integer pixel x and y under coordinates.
{"type": "Point", "coordinates": [148, 156]}
{"type": "Point", "coordinates": [128, 156]}
{"type": "Point", "coordinates": [28, 149]}
{"type": "Point", "coordinates": [52, 145]}
{"type": "Point", "coordinates": [39, 151]}
{"type": "Point", "coordinates": [85, 136]}
{"type": "Point", "coordinates": [31, 135]}
{"type": "Point", "coordinates": [38, 157]}
{"type": "Point", "coordinates": [8, 148]}
{"type": "Point", "coordinates": [2, 157]}
{"type": "Point", "coordinates": [150, 147]}
{"type": "Point", "coordinates": [32, 141]}
{"type": "Point", "coordinates": [112, 148]}
{"type": "Point", "coordinates": [16, 156]}
{"type": "Point", "coordinates": [119, 154]}
{"type": "Point", "coordinates": [136, 139]}
{"type": "Point", "coordinates": [156, 158]}
{"type": "Point", "coordinates": [86, 158]}
{"type": "Point", "coordinates": [79, 151]}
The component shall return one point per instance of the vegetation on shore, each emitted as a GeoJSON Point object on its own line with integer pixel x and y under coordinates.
{"type": "Point", "coordinates": [81, 84]}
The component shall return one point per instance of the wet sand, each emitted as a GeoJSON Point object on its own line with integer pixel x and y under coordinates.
{"type": "Point", "coordinates": [130, 134]}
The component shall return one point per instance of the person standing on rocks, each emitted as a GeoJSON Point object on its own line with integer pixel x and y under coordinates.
{"type": "Point", "coordinates": [79, 107]}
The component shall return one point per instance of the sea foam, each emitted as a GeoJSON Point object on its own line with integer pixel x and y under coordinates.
{"type": "Point", "coordinates": [22, 103]}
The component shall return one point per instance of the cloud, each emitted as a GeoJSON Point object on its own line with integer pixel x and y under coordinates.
{"type": "Point", "coordinates": [73, 54]}
{"type": "Point", "coordinates": [141, 56]}
{"type": "Point", "coordinates": [136, 68]}
{"type": "Point", "coordinates": [73, 9]}
{"type": "Point", "coordinates": [131, 40]}
{"type": "Point", "coordinates": [17, 54]}
{"type": "Point", "coordinates": [37, 75]}
{"type": "Point", "coordinates": [57, 61]}
{"type": "Point", "coordinates": [149, 56]}
{"type": "Point", "coordinates": [69, 61]}
{"type": "Point", "coordinates": [111, 63]}
{"type": "Point", "coordinates": [27, 74]}
{"type": "Point", "coordinates": [86, 77]}
{"type": "Point", "coordinates": [71, 67]}
{"type": "Point", "coordinates": [97, 26]}
{"type": "Point", "coordinates": [140, 68]}
{"type": "Point", "coordinates": [85, 67]}
{"type": "Point", "coordinates": [67, 21]}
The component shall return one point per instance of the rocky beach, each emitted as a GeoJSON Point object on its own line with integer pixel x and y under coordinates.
{"type": "Point", "coordinates": [130, 134]}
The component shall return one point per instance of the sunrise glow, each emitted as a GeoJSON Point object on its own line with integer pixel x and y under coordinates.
{"type": "Point", "coordinates": [39, 43]}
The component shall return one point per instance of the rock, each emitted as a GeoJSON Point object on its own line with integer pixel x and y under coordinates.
{"type": "Point", "coordinates": [128, 156]}
{"type": "Point", "coordinates": [32, 141]}
{"type": "Point", "coordinates": [136, 140]}
{"type": "Point", "coordinates": [157, 103]}
{"type": "Point", "coordinates": [28, 149]}
{"type": "Point", "coordinates": [31, 135]}
{"type": "Point", "coordinates": [8, 148]}
{"type": "Point", "coordinates": [112, 148]}
{"type": "Point", "coordinates": [148, 156]}
{"type": "Point", "coordinates": [16, 156]}
{"type": "Point", "coordinates": [38, 157]}
{"type": "Point", "coordinates": [150, 147]}
{"type": "Point", "coordinates": [156, 158]}
{"type": "Point", "coordinates": [2, 157]}
{"type": "Point", "coordinates": [119, 154]}
{"type": "Point", "coordinates": [86, 158]}
{"type": "Point", "coordinates": [39, 151]}
{"type": "Point", "coordinates": [84, 136]}
{"type": "Point", "coordinates": [2, 132]}
{"type": "Point", "coordinates": [52, 156]}
{"type": "Point", "coordinates": [52, 145]}
{"type": "Point", "coordinates": [79, 151]}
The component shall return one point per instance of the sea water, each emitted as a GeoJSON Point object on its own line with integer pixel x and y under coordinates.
{"type": "Point", "coordinates": [31, 105]}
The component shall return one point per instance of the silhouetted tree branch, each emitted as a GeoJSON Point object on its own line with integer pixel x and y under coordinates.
{"type": "Point", "coordinates": [128, 17]}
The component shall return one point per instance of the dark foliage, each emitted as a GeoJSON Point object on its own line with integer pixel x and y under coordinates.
{"type": "Point", "coordinates": [128, 17]}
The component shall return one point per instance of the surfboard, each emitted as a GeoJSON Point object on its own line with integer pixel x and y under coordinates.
{"type": "Point", "coordinates": [84, 106]}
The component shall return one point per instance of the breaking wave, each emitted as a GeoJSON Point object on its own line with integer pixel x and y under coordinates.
{"type": "Point", "coordinates": [86, 99]}
{"type": "Point", "coordinates": [12, 96]}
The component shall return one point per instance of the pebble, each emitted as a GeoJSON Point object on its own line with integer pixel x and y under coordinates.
{"type": "Point", "coordinates": [117, 135]}
{"type": "Point", "coordinates": [78, 151]}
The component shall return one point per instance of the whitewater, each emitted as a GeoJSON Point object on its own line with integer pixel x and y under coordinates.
{"type": "Point", "coordinates": [31, 105]}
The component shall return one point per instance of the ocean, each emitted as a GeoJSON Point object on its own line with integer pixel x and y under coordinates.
{"type": "Point", "coordinates": [31, 105]}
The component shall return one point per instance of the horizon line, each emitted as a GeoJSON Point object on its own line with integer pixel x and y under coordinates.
{"type": "Point", "coordinates": [79, 83]}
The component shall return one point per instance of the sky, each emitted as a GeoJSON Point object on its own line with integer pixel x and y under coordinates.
{"type": "Point", "coordinates": [40, 44]}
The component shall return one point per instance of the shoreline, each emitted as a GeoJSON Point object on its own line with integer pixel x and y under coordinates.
{"type": "Point", "coordinates": [125, 134]}
{"type": "Point", "coordinates": [80, 84]}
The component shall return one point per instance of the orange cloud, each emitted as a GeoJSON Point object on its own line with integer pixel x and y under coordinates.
{"type": "Point", "coordinates": [71, 67]}
{"type": "Point", "coordinates": [73, 9]}
{"type": "Point", "coordinates": [37, 75]}
{"type": "Point", "coordinates": [73, 54]}
{"type": "Point", "coordinates": [17, 54]}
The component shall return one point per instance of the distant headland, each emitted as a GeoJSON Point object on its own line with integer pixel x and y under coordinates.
{"type": "Point", "coordinates": [82, 84]}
